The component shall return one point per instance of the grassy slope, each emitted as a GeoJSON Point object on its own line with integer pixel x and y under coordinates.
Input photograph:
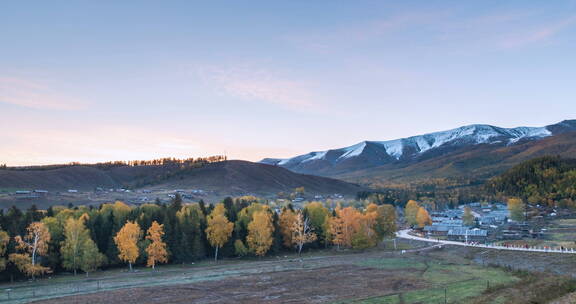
{"type": "Point", "coordinates": [459, 281]}
{"type": "Point", "coordinates": [246, 177]}
{"type": "Point", "coordinates": [230, 177]}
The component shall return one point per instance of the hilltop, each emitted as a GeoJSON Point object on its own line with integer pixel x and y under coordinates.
{"type": "Point", "coordinates": [232, 177]}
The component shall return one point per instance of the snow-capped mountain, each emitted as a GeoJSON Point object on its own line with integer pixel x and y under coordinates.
{"type": "Point", "coordinates": [368, 154]}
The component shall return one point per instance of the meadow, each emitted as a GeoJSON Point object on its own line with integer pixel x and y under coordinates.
{"type": "Point", "coordinates": [380, 275]}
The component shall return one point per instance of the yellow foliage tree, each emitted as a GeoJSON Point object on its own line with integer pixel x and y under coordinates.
{"type": "Point", "coordinates": [260, 232]}
{"type": "Point", "coordinates": [468, 217]}
{"type": "Point", "coordinates": [219, 228]}
{"type": "Point", "coordinates": [410, 212]}
{"type": "Point", "coordinates": [516, 207]}
{"type": "Point", "coordinates": [319, 215]}
{"type": "Point", "coordinates": [423, 218]}
{"type": "Point", "coordinates": [336, 227]}
{"type": "Point", "coordinates": [351, 223]}
{"type": "Point", "coordinates": [385, 221]}
{"type": "Point", "coordinates": [4, 239]}
{"type": "Point", "coordinates": [33, 244]}
{"type": "Point", "coordinates": [286, 220]}
{"type": "Point", "coordinates": [371, 208]}
{"type": "Point", "coordinates": [75, 234]}
{"type": "Point", "coordinates": [301, 232]}
{"type": "Point", "coordinates": [157, 249]}
{"type": "Point", "coordinates": [127, 242]}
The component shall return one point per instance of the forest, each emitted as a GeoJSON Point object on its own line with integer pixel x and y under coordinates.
{"type": "Point", "coordinates": [35, 243]}
{"type": "Point", "coordinates": [548, 179]}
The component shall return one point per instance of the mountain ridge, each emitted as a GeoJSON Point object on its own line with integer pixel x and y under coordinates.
{"type": "Point", "coordinates": [370, 154]}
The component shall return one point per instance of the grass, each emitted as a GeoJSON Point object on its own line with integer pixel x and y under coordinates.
{"type": "Point", "coordinates": [453, 281]}
{"type": "Point", "coordinates": [393, 263]}
{"type": "Point", "coordinates": [570, 222]}
{"type": "Point", "coordinates": [431, 276]}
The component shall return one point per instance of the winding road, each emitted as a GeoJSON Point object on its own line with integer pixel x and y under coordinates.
{"type": "Point", "coordinates": [405, 234]}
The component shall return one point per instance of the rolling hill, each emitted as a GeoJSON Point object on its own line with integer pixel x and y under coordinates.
{"type": "Point", "coordinates": [242, 177]}
{"type": "Point", "coordinates": [226, 178]}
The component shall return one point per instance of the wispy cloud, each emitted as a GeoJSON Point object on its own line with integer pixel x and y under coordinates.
{"type": "Point", "coordinates": [539, 34]}
{"type": "Point", "coordinates": [259, 84]}
{"type": "Point", "coordinates": [438, 29]}
{"type": "Point", "coordinates": [35, 95]}
{"type": "Point", "coordinates": [365, 31]}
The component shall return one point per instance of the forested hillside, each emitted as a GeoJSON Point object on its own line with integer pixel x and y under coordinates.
{"type": "Point", "coordinates": [550, 179]}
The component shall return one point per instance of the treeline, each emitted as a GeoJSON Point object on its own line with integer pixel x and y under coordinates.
{"type": "Point", "coordinates": [185, 162]}
{"type": "Point", "coordinates": [37, 242]}
{"type": "Point", "coordinates": [550, 180]}
{"type": "Point", "coordinates": [442, 198]}
{"type": "Point", "coordinates": [453, 190]}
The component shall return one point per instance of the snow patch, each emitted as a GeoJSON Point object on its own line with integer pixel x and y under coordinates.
{"type": "Point", "coordinates": [467, 135]}
{"type": "Point", "coordinates": [315, 156]}
{"type": "Point", "coordinates": [354, 150]}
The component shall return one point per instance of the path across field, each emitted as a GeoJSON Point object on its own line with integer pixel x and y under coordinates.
{"type": "Point", "coordinates": [405, 234]}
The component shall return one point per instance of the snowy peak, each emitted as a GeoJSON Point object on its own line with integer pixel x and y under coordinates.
{"type": "Point", "coordinates": [373, 153]}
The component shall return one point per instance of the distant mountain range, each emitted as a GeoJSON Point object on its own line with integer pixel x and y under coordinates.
{"type": "Point", "coordinates": [476, 151]}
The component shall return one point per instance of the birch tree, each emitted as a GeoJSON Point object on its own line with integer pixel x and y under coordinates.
{"type": "Point", "coordinates": [219, 229]}
{"type": "Point", "coordinates": [127, 242]}
{"type": "Point", "coordinates": [157, 248]}
{"type": "Point", "coordinates": [260, 233]}
{"type": "Point", "coordinates": [302, 232]}
{"type": "Point", "coordinates": [32, 245]}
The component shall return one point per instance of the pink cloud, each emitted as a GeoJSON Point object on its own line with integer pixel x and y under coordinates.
{"type": "Point", "coordinates": [542, 33]}
{"type": "Point", "coordinates": [35, 95]}
{"type": "Point", "coordinates": [252, 83]}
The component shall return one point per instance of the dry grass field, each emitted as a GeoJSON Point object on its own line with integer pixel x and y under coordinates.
{"type": "Point", "coordinates": [377, 276]}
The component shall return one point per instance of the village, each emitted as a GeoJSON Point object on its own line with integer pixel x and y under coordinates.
{"type": "Point", "coordinates": [492, 225]}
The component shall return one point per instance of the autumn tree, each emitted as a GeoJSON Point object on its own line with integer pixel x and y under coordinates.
{"type": "Point", "coordinates": [219, 228]}
{"type": "Point", "coordinates": [32, 245]}
{"type": "Point", "coordinates": [299, 191]}
{"type": "Point", "coordinates": [302, 232]}
{"type": "Point", "coordinates": [156, 250]}
{"type": "Point", "coordinates": [411, 211]}
{"type": "Point", "coordinates": [336, 225]}
{"type": "Point", "coordinates": [76, 235]}
{"type": "Point", "coordinates": [516, 207]}
{"type": "Point", "coordinates": [351, 223]}
{"type": "Point", "coordinates": [366, 230]}
{"type": "Point", "coordinates": [4, 239]}
{"type": "Point", "coordinates": [91, 257]}
{"type": "Point", "coordinates": [127, 242]}
{"type": "Point", "coordinates": [385, 221]}
{"type": "Point", "coordinates": [240, 249]}
{"type": "Point", "coordinates": [318, 213]}
{"type": "Point", "coordinates": [287, 219]}
{"type": "Point", "coordinates": [260, 233]}
{"type": "Point", "coordinates": [468, 217]}
{"type": "Point", "coordinates": [423, 218]}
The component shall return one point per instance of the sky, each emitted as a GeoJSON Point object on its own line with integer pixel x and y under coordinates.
{"type": "Point", "coordinates": [102, 80]}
